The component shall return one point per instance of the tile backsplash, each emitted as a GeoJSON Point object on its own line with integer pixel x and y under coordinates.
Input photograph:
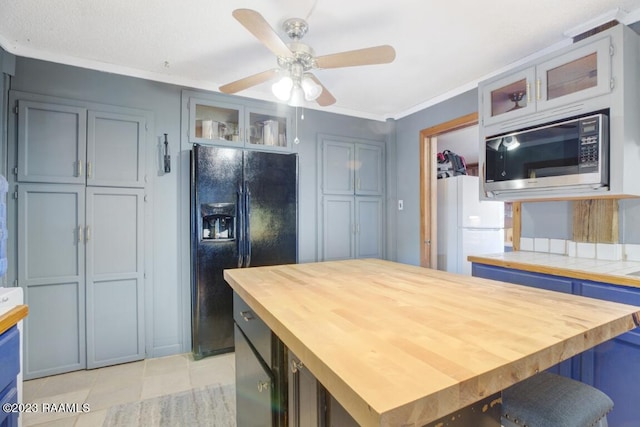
{"type": "Point", "coordinates": [604, 251]}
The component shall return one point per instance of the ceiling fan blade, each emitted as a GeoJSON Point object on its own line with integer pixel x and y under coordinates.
{"type": "Point", "coordinates": [247, 82]}
{"type": "Point", "coordinates": [367, 56]}
{"type": "Point", "coordinates": [325, 98]}
{"type": "Point", "coordinates": [260, 28]}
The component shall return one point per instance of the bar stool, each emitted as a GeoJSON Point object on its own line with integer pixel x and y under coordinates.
{"type": "Point", "coordinates": [550, 400]}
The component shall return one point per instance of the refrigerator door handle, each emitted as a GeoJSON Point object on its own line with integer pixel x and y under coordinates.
{"type": "Point", "coordinates": [247, 224]}
{"type": "Point", "coordinates": [240, 226]}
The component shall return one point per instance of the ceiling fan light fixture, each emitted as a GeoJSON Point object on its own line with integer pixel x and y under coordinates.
{"type": "Point", "coordinates": [282, 88]}
{"type": "Point", "coordinates": [297, 96]}
{"type": "Point", "coordinates": [312, 90]}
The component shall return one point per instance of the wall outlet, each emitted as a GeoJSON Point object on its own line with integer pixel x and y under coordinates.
{"type": "Point", "coordinates": [400, 205]}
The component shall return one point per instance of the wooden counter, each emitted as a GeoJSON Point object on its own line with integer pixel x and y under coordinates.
{"type": "Point", "coordinates": [613, 272]}
{"type": "Point", "coordinates": [399, 345]}
{"type": "Point", "coordinates": [13, 316]}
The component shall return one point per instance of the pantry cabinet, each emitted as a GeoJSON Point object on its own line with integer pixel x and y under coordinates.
{"type": "Point", "coordinates": [581, 73]}
{"type": "Point", "coordinates": [59, 143]}
{"type": "Point", "coordinates": [352, 227]}
{"type": "Point", "coordinates": [78, 196]}
{"type": "Point", "coordinates": [352, 168]}
{"type": "Point", "coordinates": [352, 198]}
{"type": "Point", "coordinates": [229, 123]}
{"type": "Point", "coordinates": [614, 366]}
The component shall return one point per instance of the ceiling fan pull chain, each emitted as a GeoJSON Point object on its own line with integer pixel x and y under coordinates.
{"type": "Point", "coordinates": [296, 140]}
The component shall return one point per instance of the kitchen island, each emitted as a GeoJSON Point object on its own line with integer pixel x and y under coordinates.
{"type": "Point", "coordinates": [399, 345]}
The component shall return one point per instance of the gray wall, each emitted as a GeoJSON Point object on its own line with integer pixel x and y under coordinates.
{"type": "Point", "coordinates": [555, 220]}
{"type": "Point", "coordinates": [168, 302]}
{"type": "Point", "coordinates": [7, 69]}
{"type": "Point", "coordinates": [408, 166]}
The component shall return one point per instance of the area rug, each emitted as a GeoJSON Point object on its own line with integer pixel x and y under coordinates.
{"type": "Point", "coordinates": [214, 405]}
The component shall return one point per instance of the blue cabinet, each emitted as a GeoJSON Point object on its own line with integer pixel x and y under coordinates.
{"type": "Point", "coordinates": [535, 280]}
{"type": "Point", "coordinates": [614, 366]}
{"type": "Point", "coordinates": [10, 363]}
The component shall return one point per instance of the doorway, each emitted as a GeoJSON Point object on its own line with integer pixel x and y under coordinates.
{"type": "Point", "coordinates": [428, 189]}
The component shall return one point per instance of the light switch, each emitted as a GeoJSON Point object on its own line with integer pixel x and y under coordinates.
{"type": "Point", "coordinates": [400, 205]}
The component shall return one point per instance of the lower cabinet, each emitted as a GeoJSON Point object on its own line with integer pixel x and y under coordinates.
{"type": "Point", "coordinates": [305, 396]}
{"type": "Point", "coordinates": [273, 387]}
{"type": "Point", "coordinates": [352, 227]}
{"type": "Point", "coordinates": [80, 255]}
{"type": "Point", "coordinates": [253, 385]}
{"type": "Point", "coordinates": [310, 405]}
{"type": "Point", "coordinates": [614, 366]}
{"type": "Point", "coordinates": [10, 363]}
{"type": "Point", "coordinates": [261, 371]}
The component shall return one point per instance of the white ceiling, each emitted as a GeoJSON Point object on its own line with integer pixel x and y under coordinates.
{"type": "Point", "coordinates": [443, 47]}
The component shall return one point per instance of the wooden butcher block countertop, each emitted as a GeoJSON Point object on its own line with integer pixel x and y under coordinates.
{"type": "Point", "coordinates": [400, 345]}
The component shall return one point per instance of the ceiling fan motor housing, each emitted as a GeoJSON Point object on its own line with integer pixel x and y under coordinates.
{"type": "Point", "coordinates": [302, 54]}
{"type": "Point", "coordinates": [295, 28]}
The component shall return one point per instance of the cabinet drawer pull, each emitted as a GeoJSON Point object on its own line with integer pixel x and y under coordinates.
{"type": "Point", "coordinates": [538, 89]}
{"type": "Point", "coordinates": [528, 93]}
{"type": "Point", "coordinates": [79, 168]}
{"type": "Point", "coordinates": [247, 315]}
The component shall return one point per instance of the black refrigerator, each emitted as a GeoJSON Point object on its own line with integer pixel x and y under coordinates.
{"type": "Point", "coordinates": [244, 213]}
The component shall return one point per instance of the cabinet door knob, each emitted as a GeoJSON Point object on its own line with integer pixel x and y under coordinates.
{"type": "Point", "coordinates": [296, 366]}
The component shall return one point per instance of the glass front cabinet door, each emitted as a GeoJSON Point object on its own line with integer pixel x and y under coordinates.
{"type": "Point", "coordinates": [212, 122]}
{"type": "Point", "coordinates": [267, 129]}
{"type": "Point", "coordinates": [509, 97]}
{"type": "Point", "coordinates": [237, 125]}
{"type": "Point", "coordinates": [581, 73]}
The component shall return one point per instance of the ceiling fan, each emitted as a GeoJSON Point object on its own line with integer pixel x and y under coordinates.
{"type": "Point", "coordinates": [297, 59]}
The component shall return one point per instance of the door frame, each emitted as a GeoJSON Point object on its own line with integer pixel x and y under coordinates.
{"type": "Point", "coordinates": [429, 194]}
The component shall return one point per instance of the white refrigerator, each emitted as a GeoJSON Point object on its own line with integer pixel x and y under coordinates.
{"type": "Point", "coordinates": [466, 225]}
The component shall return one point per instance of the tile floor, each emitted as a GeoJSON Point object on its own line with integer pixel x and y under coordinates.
{"type": "Point", "coordinates": [115, 385]}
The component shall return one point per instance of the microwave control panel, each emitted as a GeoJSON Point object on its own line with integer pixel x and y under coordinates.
{"type": "Point", "coordinates": [590, 137]}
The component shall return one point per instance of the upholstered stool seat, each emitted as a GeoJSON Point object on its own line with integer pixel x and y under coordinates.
{"type": "Point", "coordinates": [549, 400]}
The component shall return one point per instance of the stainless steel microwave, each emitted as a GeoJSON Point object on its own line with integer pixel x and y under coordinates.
{"type": "Point", "coordinates": [573, 153]}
